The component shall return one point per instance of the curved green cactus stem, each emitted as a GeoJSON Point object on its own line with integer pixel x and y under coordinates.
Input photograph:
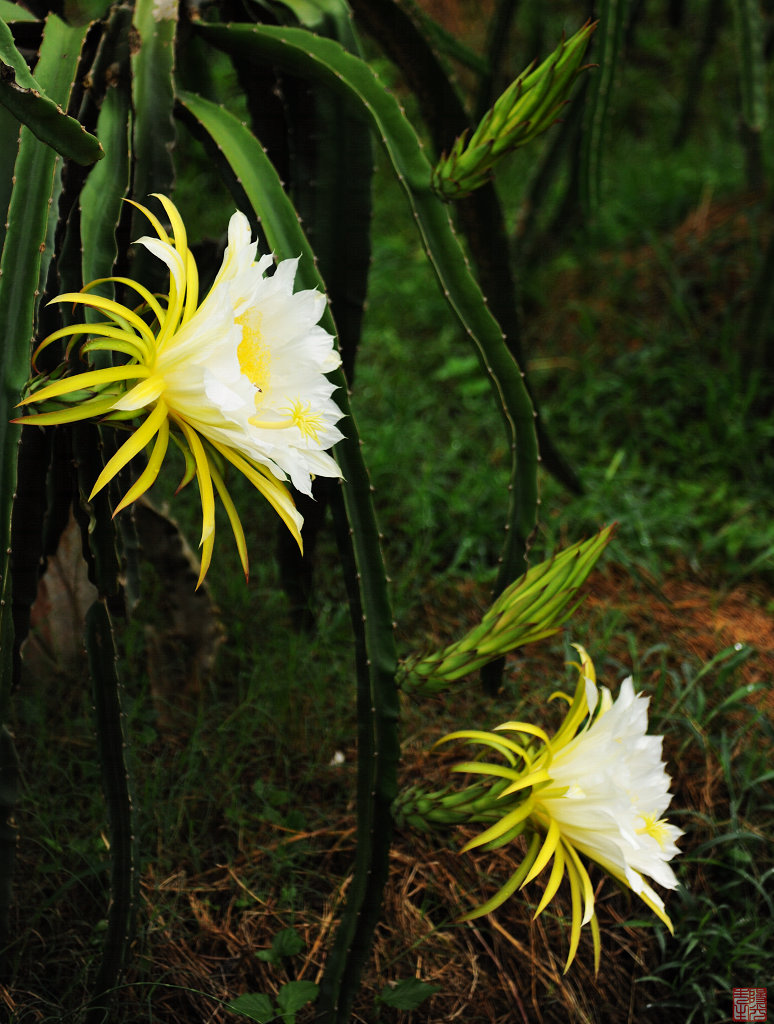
{"type": "Point", "coordinates": [9, 791]}
{"type": "Point", "coordinates": [27, 527]}
{"type": "Point", "coordinates": [608, 39]}
{"type": "Point", "coordinates": [101, 198]}
{"type": "Point", "coordinates": [9, 131]}
{"type": "Point", "coordinates": [325, 61]}
{"type": "Point", "coordinates": [99, 545]}
{"type": "Point", "coordinates": [28, 101]}
{"type": "Point", "coordinates": [692, 78]}
{"type": "Point", "coordinates": [751, 39]}
{"type": "Point", "coordinates": [24, 263]}
{"type": "Point", "coordinates": [154, 134]}
{"type": "Point", "coordinates": [115, 783]}
{"type": "Point", "coordinates": [378, 747]}
{"type": "Point", "coordinates": [330, 170]}
{"type": "Point", "coordinates": [480, 216]}
{"type": "Point", "coordinates": [481, 220]}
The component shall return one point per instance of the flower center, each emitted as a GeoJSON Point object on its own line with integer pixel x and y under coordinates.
{"type": "Point", "coordinates": [254, 356]}
{"type": "Point", "coordinates": [657, 829]}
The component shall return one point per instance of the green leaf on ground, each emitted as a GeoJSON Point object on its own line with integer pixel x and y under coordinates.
{"type": "Point", "coordinates": [254, 1006]}
{"type": "Point", "coordinates": [407, 994]}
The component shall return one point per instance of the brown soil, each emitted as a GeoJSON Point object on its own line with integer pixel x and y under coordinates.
{"type": "Point", "coordinates": [695, 619]}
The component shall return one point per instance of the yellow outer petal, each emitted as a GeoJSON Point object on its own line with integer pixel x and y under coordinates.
{"type": "Point", "coordinates": [176, 266]}
{"type": "Point", "coordinates": [508, 889]}
{"type": "Point", "coordinates": [138, 440]}
{"type": "Point", "coordinates": [204, 478]}
{"type": "Point", "coordinates": [578, 711]}
{"type": "Point", "coordinates": [149, 297]}
{"type": "Point", "coordinates": [189, 471]}
{"type": "Point", "coordinates": [503, 744]}
{"type": "Point", "coordinates": [502, 826]}
{"type": "Point", "coordinates": [560, 695]}
{"type": "Point", "coordinates": [207, 549]}
{"type": "Point", "coordinates": [657, 910]}
{"type": "Point", "coordinates": [179, 296]}
{"type": "Point", "coordinates": [588, 889]}
{"type": "Point", "coordinates": [142, 394]}
{"type": "Point", "coordinates": [233, 517]}
{"type": "Point", "coordinates": [552, 840]}
{"type": "Point", "coordinates": [575, 928]}
{"type": "Point", "coordinates": [112, 308]}
{"type": "Point", "coordinates": [151, 471]}
{"type": "Point", "coordinates": [487, 768]}
{"type": "Point", "coordinates": [597, 942]}
{"type": "Point", "coordinates": [72, 414]}
{"type": "Point", "coordinates": [528, 779]}
{"type": "Point", "coordinates": [178, 227]}
{"type": "Point", "coordinates": [272, 489]}
{"type": "Point", "coordinates": [155, 222]}
{"type": "Point", "coordinates": [101, 330]}
{"type": "Point", "coordinates": [106, 343]}
{"type": "Point", "coordinates": [90, 379]}
{"type": "Point", "coordinates": [525, 727]}
{"type": "Point", "coordinates": [554, 880]}
{"type": "Point", "coordinates": [191, 286]}
{"type": "Point", "coordinates": [586, 665]}
{"type": "Point", "coordinates": [655, 907]}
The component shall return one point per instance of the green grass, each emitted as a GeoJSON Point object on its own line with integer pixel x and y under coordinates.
{"type": "Point", "coordinates": [723, 913]}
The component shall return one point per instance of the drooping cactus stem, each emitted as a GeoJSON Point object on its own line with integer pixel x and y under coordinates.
{"type": "Point", "coordinates": [115, 782]}
{"type": "Point", "coordinates": [377, 699]}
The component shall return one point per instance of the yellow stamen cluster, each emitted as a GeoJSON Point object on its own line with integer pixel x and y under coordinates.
{"type": "Point", "coordinates": [656, 828]}
{"type": "Point", "coordinates": [300, 415]}
{"type": "Point", "coordinates": [253, 354]}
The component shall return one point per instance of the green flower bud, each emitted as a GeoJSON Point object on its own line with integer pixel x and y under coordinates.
{"type": "Point", "coordinates": [535, 606]}
{"type": "Point", "coordinates": [425, 812]}
{"type": "Point", "coordinates": [526, 109]}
